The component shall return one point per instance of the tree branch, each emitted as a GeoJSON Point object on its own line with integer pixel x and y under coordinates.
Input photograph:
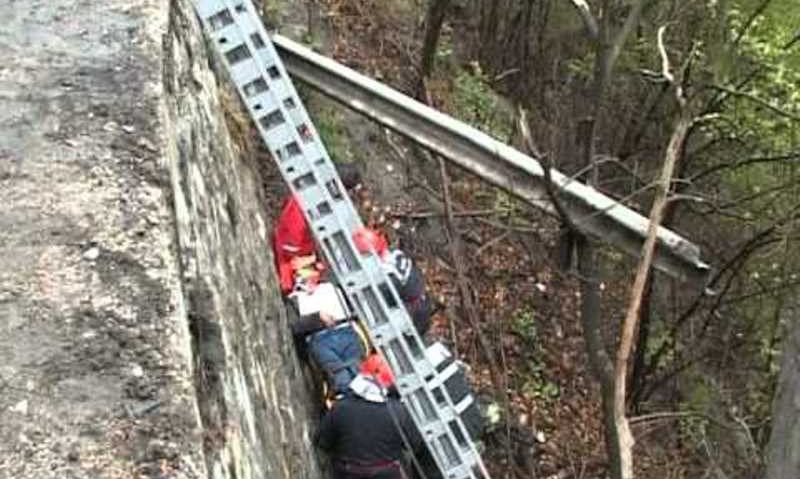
{"type": "Point", "coordinates": [589, 21]}
{"type": "Point", "coordinates": [749, 22]}
{"type": "Point", "coordinates": [749, 161]}
{"type": "Point", "coordinates": [622, 34]}
{"type": "Point", "coordinates": [548, 180]}
{"type": "Point", "coordinates": [456, 213]}
{"type": "Point", "coordinates": [631, 321]}
{"type": "Point", "coordinates": [757, 100]}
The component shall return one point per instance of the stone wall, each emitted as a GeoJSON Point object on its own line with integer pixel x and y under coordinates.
{"type": "Point", "coordinates": [252, 395]}
{"type": "Point", "coordinates": [141, 331]}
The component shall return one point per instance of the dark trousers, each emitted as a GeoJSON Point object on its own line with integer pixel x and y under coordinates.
{"type": "Point", "coordinates": [420, 312]}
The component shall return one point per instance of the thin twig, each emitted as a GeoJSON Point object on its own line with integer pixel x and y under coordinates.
{"type": "Point", "coordinates": [548, 183]}
{"type": "Point", "coordinates": [454, 244]}
{"type": "Point", "coordinates": [492, 242]}
{"type": "Point", "coordinates": [589, 21]}
{"type": "Point", "coordinates": [465, 291]}
{"type": "Point", "coordinates": [456, 213]}
{"type": "Point", "coordinates": [758, 101]}
{"type": "Point", "coordinates": [750, 20]}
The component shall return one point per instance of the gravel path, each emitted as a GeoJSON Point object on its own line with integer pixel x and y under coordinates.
{"type": "Point", "coordinates": [95, 369]}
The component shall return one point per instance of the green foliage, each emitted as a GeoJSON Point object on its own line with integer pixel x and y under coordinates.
{"type": "Point", "coordinates": [523, 324]}
{"type": "Point", "coordinates": [701, 398]}
{"type": "Point", "coordinates": [535, 384]}
{"type": "Point", "coordinates": [334, 135]}
{"type": "Point", "coordinates": [274, 10]}
{"type": "Point", "coordinates": [476, 103]}
{"type": "Point", "coordinates": [581, 68]}
{"type": "Point", "coordinates": [762, 49]}
{"type": "Point", "coordinates": [540, 388]}
{"type": "Point", "coordinates": [444, 50]}
{"type": "Point", "coordinates": [503, 201]}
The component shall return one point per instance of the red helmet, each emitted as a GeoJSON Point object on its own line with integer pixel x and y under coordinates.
{"type": "Point", "coordinates": [375, 366]}
{"type": "Point", "coordinates": [366, 239]}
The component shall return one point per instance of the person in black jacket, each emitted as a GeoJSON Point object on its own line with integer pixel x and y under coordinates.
{"type": "Point", "coordinates": [410, 284]}
{"type": "Point", "coordinates": [404, 274]}
{"type": "Point", "coordinates": [363, 433]}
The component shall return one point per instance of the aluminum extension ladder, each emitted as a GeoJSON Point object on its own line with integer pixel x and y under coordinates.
{"type": "Point", "coordinates": [237, 32]}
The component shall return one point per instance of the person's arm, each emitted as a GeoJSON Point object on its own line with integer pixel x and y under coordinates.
{"type": "Point", "coordinates": [285, 276]}
{"type": "Point", "coordinates": [312, 323]}
{"type": "Point", "coordinates": [409, 428]}
{"type": "Point", "coordinates": [326, 434]}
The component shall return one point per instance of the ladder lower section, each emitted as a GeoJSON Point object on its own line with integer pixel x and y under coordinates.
{"type": "Point", "coordinates": [238, 34]}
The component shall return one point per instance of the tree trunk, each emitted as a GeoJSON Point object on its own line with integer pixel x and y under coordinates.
{"type": "Point", "coordinates": [637, 375]}
{"type": "Point", "coordinates": [490, 22]}
{"type": "Point", "coordinates": [783, 450]}
{"type": "Point", "coordinates": [599, 360]}
{"type": "Point", "coordinates": [434, 19]}
{"type": "Point", "coordinates": [637, 291]}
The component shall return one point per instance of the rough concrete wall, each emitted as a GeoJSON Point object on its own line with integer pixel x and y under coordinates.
{"type": "Point", "coordinates": [95, 360]}
{"type": "Point", "coordinates": [140, 325]}
{"type": "Point", "coordinates": [253, 400]}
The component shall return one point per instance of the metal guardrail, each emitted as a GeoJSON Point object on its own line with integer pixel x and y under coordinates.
{"type": "Point", "coordinates": [595, 213]}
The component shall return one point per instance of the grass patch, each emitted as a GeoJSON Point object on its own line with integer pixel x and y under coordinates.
{"type": "Point", "coordinates": [334, 136]}
{"type": "Point", "coordinates": [474, 102]}
{"type": "Point", "coordinates": [535, 384]}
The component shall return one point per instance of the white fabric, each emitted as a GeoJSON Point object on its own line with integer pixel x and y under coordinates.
{"type": "Point", "coordinates": [437, 353]}
{"type": "Point", "coordinates": [398, 264]}
{"type": "Point", "coordinates": [367, 388]}
{"type": "Point", "coordinates": [325, 298]}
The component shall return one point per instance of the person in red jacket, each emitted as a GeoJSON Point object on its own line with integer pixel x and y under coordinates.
{"type": "Point", "coordinates": [292, 242]}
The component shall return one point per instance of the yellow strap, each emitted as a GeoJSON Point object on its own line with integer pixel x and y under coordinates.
{"type": "Point", "coordinates": [362, 334]}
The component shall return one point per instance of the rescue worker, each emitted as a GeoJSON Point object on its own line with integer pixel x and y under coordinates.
{"type": "Point", "coordinates": [291, 237]}
{"type": "Point", "coordinates": [333, 344]}
{"type": "Point", "coordinates": [404, 274]}
{"type": "Point", "coordinates": [364, 432]}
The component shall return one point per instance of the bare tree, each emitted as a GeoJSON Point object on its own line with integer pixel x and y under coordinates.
{"type": "Point", "coordinates": [608, 45]}
{"type": "Point", "coordinates": [434, 18]}
{"type": "Point", "coordinates": [783, 450]}
{"type": "Point", "coordinates": [643, 270]}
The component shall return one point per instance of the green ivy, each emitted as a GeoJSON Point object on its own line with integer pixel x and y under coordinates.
{"type": "Point", "coordinates": [535, 384]}
{"type": "Point", "coordinates": [334, 135]}
{"type": "Point", "coordinates": [476, 103]}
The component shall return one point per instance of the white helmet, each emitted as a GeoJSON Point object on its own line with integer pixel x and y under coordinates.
{"type": "Point", "coordinates": [368, 388]}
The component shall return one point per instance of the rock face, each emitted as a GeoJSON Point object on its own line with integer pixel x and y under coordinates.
{"type": "Point", "coordinates": [252, 394]}
{"type": "Point", "coordinates": [141, 331]}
